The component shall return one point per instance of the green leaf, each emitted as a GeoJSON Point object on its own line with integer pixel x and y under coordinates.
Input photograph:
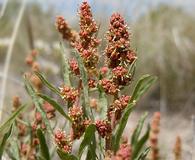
{"type": "Point", "coordinates": [57, 106]}
{"type": "Point", "coordinates": [122, 125]}
{"type": "Point", "coordinates": [3, 143]}
{"type": "Point", "coordinates": [43, 145]}
{"type": "Point", "coordinates": [66, 156]}
{"type": "Point", "coordinates": [138, 129]}
{"type": "Point", "coordinates": [12, 118]}
{"type": "Point", "coordinates": [138, 147]}
{"type": "Point", "coordinates": [144, 83]}
{"type": "Point", "coordinates": [37, 103]}
{"type": "Point", "coordinates": [65, 65]}
{"type": "Point", "coordinates": [88, 137]}
{"type": "Point", "coordinates": [141, 87]}
{"type": "Point", "coordinates": [84, 78]}
{"type": "Point", "coordinates": [144, 154]}
{"type": "Point", "coordinates": [49, 85]}
{"type": "Point", "coordinates": [103, 104]}
{"type": "Point", "coordinates": [14, 150]}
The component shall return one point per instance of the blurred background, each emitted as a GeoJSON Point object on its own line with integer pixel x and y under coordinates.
{"type": "Point", "coordinates": [163, 34]}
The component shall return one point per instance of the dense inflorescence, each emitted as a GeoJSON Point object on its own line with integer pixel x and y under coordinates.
{"type": "Point", "coordinates": [103, 128]}
{"type": "Point", "coordinates": [69, 94]}
{"type": "Point", "coordinates": [118, 50]}
{"type": "Point", "coordinates": [63, 141]}
{"type": "Point", "coordinates": [155, 129]}
{"type": "Point", "coordinates": [64, 29]}
{"type": "Point", "coordinates": [124, 152]}
{"type": "Point", "coordinates": [88, 42]}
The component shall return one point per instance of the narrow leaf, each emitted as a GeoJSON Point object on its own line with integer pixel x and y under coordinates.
{"type": "Point", "coordinates": [4, 140]}
{"type": "Point", "coordinates": [144, 83]}
{"type": "Point", "coordinates": [14, 150]}
{"type": "Point", "coordinates": [56, 105]}
{"type": "Point", "coordinates": [12, 118]}
{"type": "Point", "coordinates": [43, 145]}
{"type": "Point", "coordinates": [138, 129]}
{"type": "Point", "coordinates": [84, 78]}
{"type": "Point", "coordinates": [66, 156]}
{"type": "Point", "coordinates": [103, 103]}
{"type": "Point", "coordinates": [144, 154]}
{"type": "Point", "coordinates": [122, 125]}
{"type": "Point", "coordinates": [65, 69]}
{"type": "Point", "coordinates": [49, 85]}
{"type": "Point", "coordinates": [37, 103]}
{"type": "Point", "coordinates": [138, 147]}
{"type": "Point", "coordinates": [88, 137]}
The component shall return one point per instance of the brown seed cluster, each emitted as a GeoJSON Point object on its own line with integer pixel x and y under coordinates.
{"type": "Point", "coordinates": [154, 132]}
{"type": "Point", "coordinates": [121, 76]}
{"type": "Point", "coordinates": [63, 141]}
{"type": "Point", "coordinates": [118, 49]}
{"type": "Point", "coordinates": [31, 61]}
{"type": "Point", "coordinates": [104, 128]}
{"type": "Point", "coordinates": [116, 109]}
{"type": "Point", "coordinates": [109, 86]}
{"type": "Point", "coordinates": [88, 42]}
{"type": "Point", "coordinates": [49, 110]}
{"type": "Point", "coordinates": [69, 94]}
{"type": "Point", "coordinates": [74, 67]}
{"type": "Point", "coordinates": [124, 152]}
{"type": "Point", "coordinates": [64, 29]}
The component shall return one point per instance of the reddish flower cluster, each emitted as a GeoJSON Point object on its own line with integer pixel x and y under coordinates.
{"type": "Point", "coordinates": [124, 152]}
{"type": "Point", "coordinates": [31, 61]}
{"type": "Point", "coordinates": [74, 67]}
{"type": "Point", "coordinates": [16, 102]}
{"type": "Point", "coordinates": [155, 129]}
{"type": "Point", "coordinates": [104, 128]}
{"type": "Point", "coordinates": [49, 109]}
{"type": "Point", "coordinates": [121, 76]}
{"type": "Point", "coordinates": [104, 70]}
{"type": "Point", "coordinates": [21, 127]}
{"type": "Point", "coordinates": [66, 32]}
{"type": "Point", "coordinates": [75, 113]}
{"type": "Point", "coordinates": [87, 43]}
{"type": "Point", "coordinates": [117, 107]}
{"type": "Point", "coordinates": [78, 123]}
{"type": "Point", "coordinates": [63, 142]}
{"type": "Point", "coordinates": [118, 50]}
{"type": "Point", "coordinates": [38, 121]}
{"type": "Point", "coordinates": [68, 93]}
{"type": "Point", "coordinates": [109, 86]}
{"type": "Point", "coordinates": [91, 83]}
